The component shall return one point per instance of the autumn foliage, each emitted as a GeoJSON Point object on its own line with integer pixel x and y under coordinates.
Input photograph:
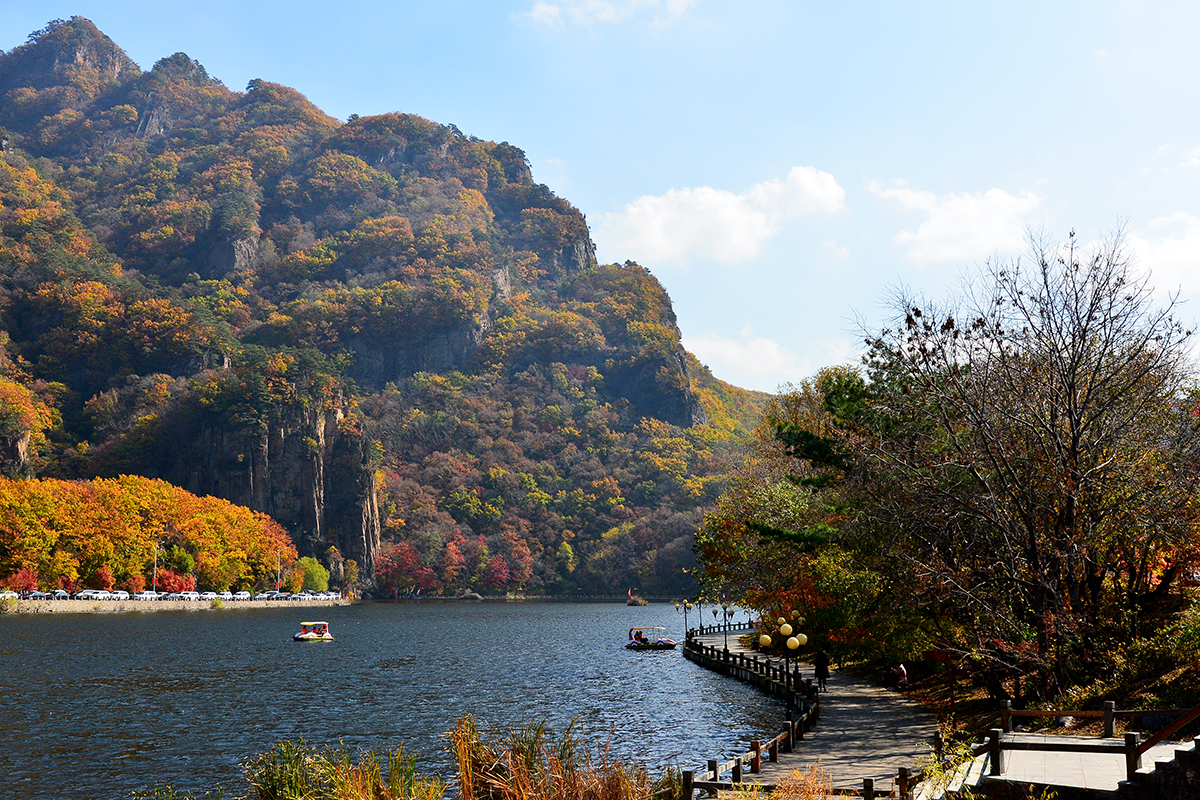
{"type": "Point", "coordinates": [102, 533]}
{"type": "Point", "coordinates": [191, 276]}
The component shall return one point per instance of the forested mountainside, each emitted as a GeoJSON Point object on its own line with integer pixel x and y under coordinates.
{"type": "Point", "coordinates": [384, 334]}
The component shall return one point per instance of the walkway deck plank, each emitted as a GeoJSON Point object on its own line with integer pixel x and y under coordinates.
{"type": "Point", "coordinates": [864, 732]}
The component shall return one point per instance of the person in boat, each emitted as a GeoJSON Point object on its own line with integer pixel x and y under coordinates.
{"type": "Point", "coordinates": [640, 638]}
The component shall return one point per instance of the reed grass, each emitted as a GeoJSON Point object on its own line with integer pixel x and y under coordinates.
{"type": "Point", "coordinates": [527, 763]}
{"type": "Point", "coordinates": [291, 770]}
{"type": "Point", "coordinates": [813, 783]}
{"type": "Point", "coordinates": [522, 763]}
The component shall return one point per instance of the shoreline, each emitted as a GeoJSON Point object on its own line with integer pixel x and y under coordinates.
{"type": "Point", "coordinates": [131, 606]}
{"type": "Point", "coordinates": [135, 606]}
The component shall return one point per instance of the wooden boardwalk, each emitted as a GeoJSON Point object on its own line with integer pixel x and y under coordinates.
{"type": "Point", "coordinates": [865, 735]}
{"type": "Point", "coordinates": [864, 731]}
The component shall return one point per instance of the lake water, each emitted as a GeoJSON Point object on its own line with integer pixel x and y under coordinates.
{"type": "Point", "coordinates": [95, 706]}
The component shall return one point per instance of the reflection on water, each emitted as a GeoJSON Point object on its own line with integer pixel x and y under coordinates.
{"type": "Point", "coordinates": [98, 705]}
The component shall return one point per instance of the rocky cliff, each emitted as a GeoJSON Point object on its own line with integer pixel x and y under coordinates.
{"type": "Point", "coordinates": [382, 332]}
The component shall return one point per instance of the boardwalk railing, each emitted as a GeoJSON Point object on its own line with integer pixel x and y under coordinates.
{"type": "Point", "coordinates": [777, 677]}
{"type": "Point", "coordinates": [1132, 748]}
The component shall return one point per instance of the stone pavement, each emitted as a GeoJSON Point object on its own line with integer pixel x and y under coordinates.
{"type": "Point", "coordinates": [864, 732]}
{"type": "Point", "coordinates": [1099, 771]}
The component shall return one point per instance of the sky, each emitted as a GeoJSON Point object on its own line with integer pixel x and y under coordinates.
{"type": "Point", "coordinates": [781, 167]}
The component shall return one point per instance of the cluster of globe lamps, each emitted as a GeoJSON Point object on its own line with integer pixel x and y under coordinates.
{"type": "Point", "coordinates": [794, 641]}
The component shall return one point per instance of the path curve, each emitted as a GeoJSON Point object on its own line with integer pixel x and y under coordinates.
{"type": "Point", "coordinates": [864, 731]}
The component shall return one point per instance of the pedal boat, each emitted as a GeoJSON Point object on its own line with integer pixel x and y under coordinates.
{"type": "Point", "coordinates": [313, 632]}
{"type": "Point", "coordinates": [644, 643]}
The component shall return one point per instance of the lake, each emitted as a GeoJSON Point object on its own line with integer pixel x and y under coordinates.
{"type": "Point", "coordinates": [96, 706]}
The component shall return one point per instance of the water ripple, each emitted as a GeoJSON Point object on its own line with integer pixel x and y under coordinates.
{"type": "Point", "coordinates": [96, 706]}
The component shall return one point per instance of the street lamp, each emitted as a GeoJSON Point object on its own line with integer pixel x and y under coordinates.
{"type": "Point", "coordinates": [794, 642]}
{"type": "Point", "coordinates": [685, 606]}
{"type": "Point", "coordinates": [725, 609]}
{"type": "Point", "coordinates": [154, 577]}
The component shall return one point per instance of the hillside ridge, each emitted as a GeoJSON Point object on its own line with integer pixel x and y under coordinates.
{"type": "Point", "coordinates": [382, 333]}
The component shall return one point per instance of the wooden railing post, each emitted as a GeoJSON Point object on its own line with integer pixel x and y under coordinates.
{"type": "Point", "coordinates": [688, 778]}
{"type": "Point", "coordinates": [737, 770]}
{"type": "Point", "coordinates": [773, 751]}
{"type": "Point", "coordinates": [1006, 716]}
{"type": "Point", "coordinates": [869, 788]}
{"type": "Point", "coordinates": [788, 733]}
{"type": "Point", "coordinates": [1133, 758]}
{"type": "Point", "coordinates": [1110, 712]}
{"type": "Point", "coordinates": [756, 759]}
{"type": "Point", "coordinates": [712, 770]}
{"type": "Point", "coordinates": [903, 789]}
{"type": "Point", "coordinates": [994, 752]}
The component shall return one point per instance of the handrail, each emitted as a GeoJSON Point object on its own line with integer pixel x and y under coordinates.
{"type": "Point", "coordinates": [1184, 719]}
{"type": "Point", "coordinates": [1109, 715]}
{"type": "Point", "coordinates": [801, 695]}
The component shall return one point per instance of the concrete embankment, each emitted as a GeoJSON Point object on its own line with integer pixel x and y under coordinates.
{"type": "Point", "coordinates": [142, 606]}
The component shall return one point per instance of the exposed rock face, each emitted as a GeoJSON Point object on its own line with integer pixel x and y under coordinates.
{"type": "Point", "coordinates": [239, 255]}
{"type": "Point", "coordinates": [153, 122]}
{"type": "Point", "coordinates": [575, 257]}
{"type": "Point", "coordinates": [660, 388]}
{"type": "Point", "coordinates": [14, 454]}
{"type": "Point", "coordinates": [306, 468]}
{"type": "Point", "coordinates": [377, 363]}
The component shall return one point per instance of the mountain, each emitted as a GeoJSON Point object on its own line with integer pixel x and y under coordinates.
{"type": "Point", "coordinates": [382, 333]}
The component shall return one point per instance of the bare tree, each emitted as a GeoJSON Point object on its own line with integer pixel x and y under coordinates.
{"type": "Point", "coordinates": [1029, 453]}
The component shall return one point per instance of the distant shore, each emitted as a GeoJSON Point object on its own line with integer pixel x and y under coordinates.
{"type": "Point", "coordinates": [134, 606]}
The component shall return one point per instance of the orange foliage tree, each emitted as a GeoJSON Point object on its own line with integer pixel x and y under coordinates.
{"type": "Point", "coordinates": [104, 532]}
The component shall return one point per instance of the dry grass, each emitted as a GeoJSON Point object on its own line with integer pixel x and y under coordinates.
{"type": "Point", "coordinates": [526, 763]}
{"type": "Point", "coordinates": [811, 784]}
{"type": "Point", "coordinates": [293, 771]}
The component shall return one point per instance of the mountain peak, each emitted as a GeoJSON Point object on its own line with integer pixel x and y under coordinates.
{"type": "Point", "coordinates": [61, 54]}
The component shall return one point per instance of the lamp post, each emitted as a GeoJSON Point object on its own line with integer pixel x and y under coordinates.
{"type": "Point", "coordinates": [794, 642]}
{"type": "Point", "coordinates": [154, 576]}
{"type": "Point", "coordinates": [685, 605]}
{"type": "Point", "coordinates": [725, 609]}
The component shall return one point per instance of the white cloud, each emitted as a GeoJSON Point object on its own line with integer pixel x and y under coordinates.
{"type": "Point", "coordinates": [962, 226]}
{"type": "Point", "coordinates": [1169, 247]}
{"type": "Point", "coordinates": [1191, 159]}
{"type": "Point", "coordinates": [714, 222]}
{"type": "Point", "coordinates": [835, 250]}
{"type": "Point", "coordinates": [546, 14]}
{"type": "Point", "coordinates": [591, 12]}
{"type": "Point", "coordinates": [749, 361]}
{"type": "Point", "coordinates": [754, 362]}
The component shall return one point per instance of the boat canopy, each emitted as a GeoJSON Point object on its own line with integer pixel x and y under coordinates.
{"type": "Point", "coordinates": [646, 628]}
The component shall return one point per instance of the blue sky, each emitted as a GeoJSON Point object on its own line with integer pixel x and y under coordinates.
{"type": "Point", "coordinates": [777, 165]}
